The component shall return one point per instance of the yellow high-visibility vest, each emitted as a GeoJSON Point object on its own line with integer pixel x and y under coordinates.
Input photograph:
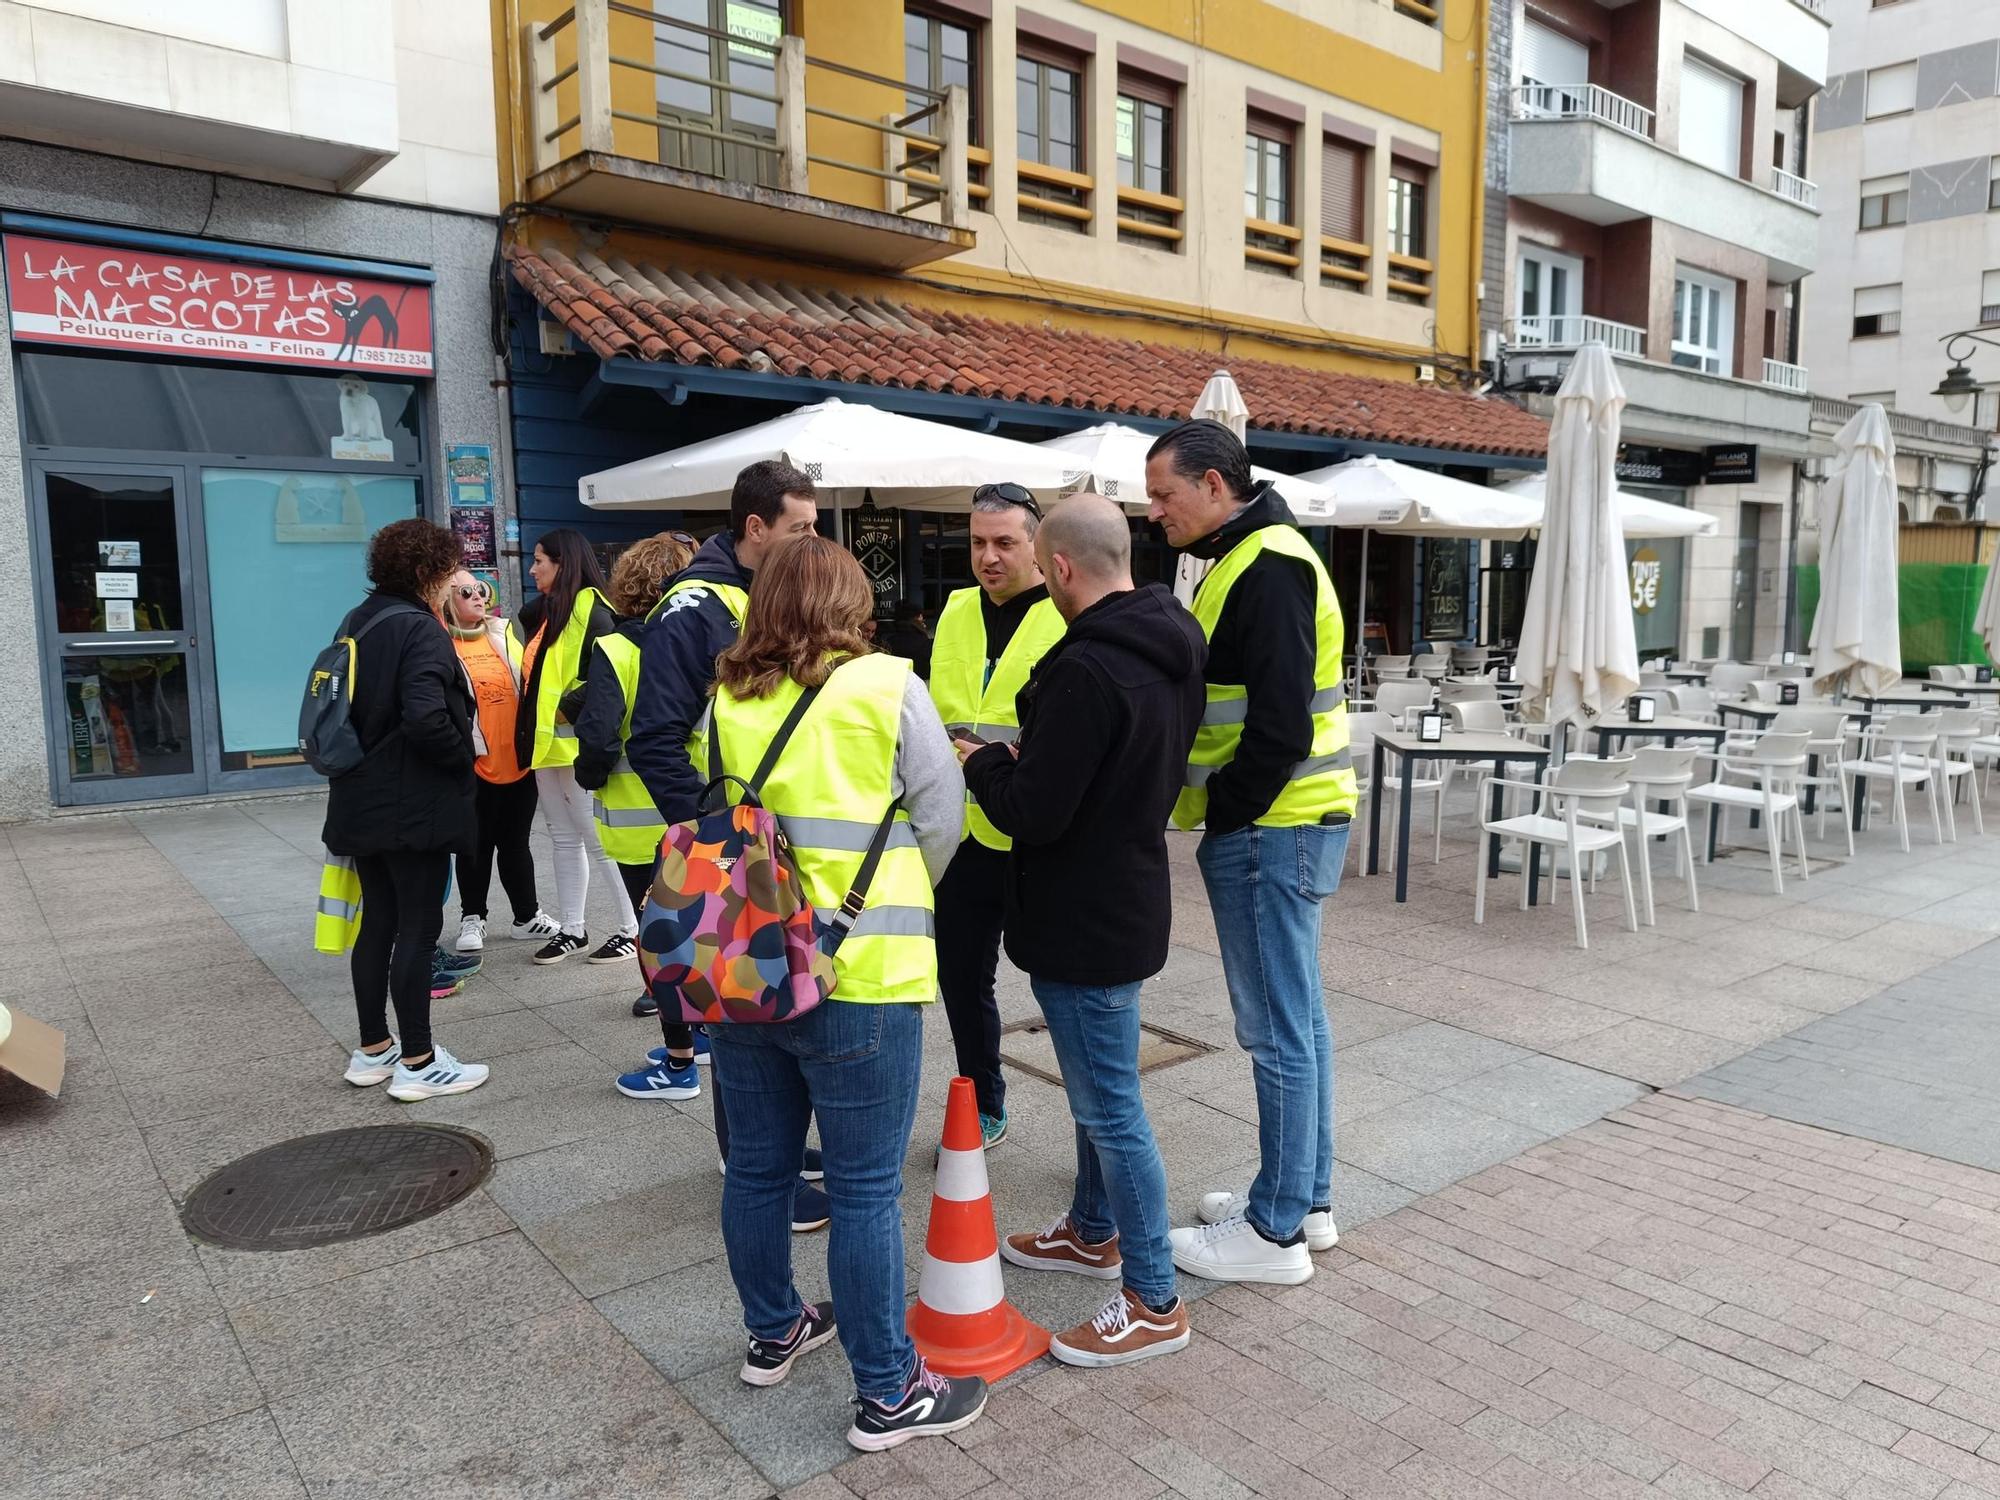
{"type": "Point", "coordinates": [734, 599]}
{"type": "Point", "coordinates": [1324, 781]}
{"type": "Point", "coordinates": [628, 825]}
{"type": "Point", "coordinates": [338, 918]}
{"type": "Point", "coordinates": [965, 695]}
{"type": "Point", "coordinates": [830, 788]}
{"type": "Point", "coordinates": [558, 668]}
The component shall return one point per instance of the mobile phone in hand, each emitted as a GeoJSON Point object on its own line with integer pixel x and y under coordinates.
{"type": "Point", "coordinates": [964, 732]}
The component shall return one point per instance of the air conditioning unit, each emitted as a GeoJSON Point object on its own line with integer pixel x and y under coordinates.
{"type": "Point", "coordinates": [1427, 375]}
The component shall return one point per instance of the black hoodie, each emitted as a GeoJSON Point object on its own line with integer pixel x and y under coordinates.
{"type": "Point", "coordinates": [1266, 639]}
{"type": "Point", "coordinates": [677, 652]}
{"type": "Point", "coordinates": [1107, 718]}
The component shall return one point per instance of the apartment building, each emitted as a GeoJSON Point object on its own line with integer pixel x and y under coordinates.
{"type": "Point", "coordinates": [1662, 200]}
{"type": "Point", "coordinates": [1026, 218]}
{"type": "Point", "coordinates": [1904, 148]}
{"type": "Point", "coordinates": [248, 250]}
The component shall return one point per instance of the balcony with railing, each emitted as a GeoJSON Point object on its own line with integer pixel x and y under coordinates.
{"type": "Point", "coordinates": [1797, 189]}
{"type": "Point", "coordinates": [1785, 377]}
{"type": "Point", "coordinates": [1548, 101]}
{"type": "Point", "coordinates": [1622, 339]}
{"type": "Point", "coordinates": [636, 115]}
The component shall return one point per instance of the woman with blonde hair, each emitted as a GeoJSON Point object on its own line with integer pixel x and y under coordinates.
{"type": "Point", "coordinates": [866, 749]}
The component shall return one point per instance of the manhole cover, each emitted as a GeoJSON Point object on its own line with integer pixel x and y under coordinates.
{"type": "Point", "coordinates": [1027, 1046]}
{"type": "Point", "coordinates": [337, 1186]}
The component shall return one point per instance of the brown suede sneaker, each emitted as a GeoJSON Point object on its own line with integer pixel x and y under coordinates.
{"type": "Point", "coordinates": [1124, 1330]}
{"type": "Point", "coordinates": [1061, 1248]}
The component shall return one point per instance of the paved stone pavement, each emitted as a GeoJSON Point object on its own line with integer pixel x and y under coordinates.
{"type": "Point", "coordinates": [577, 1331]}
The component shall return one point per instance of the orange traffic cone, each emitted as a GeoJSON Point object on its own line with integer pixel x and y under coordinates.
{"type": "Point", "coordinates": [963, 1323]}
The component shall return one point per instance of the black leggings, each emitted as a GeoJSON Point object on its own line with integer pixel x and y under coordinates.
{"type": "Point", "coordinates": [506, 816]}
{"type": "Point", "coordinates": [402, 912]}
{"type": "Point", "coordinates": [638, 879]}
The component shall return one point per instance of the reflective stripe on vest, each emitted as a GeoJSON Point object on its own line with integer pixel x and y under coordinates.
{"type": "Point", "coordinates": [337, 917]}
{"type": "Point", "coordinates": [558, 669]}
{"type": "Point", "coordinates": [833, 783]}
{"type": "Point", "coordinates": [958, 665]}
{"type": "Point", "coordinates": [629, 827]}
{"type": "Point", "coordinates": [1324, 781]}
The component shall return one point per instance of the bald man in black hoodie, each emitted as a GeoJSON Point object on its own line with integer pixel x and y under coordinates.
{"type": "Point", "coordinates": [1106, 722]}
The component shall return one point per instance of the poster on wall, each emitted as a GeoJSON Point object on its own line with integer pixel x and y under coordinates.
{"type": "Point", "coordinates": [1444, 590]}
{"type": "Point", "coordinates": [473, 526]}
{"type": "Point", "coordinates": [201, 307]}
{"type": "Point", "coordinates": [470, 470]}
{"type": "Point", "coordinates": [872, 538]}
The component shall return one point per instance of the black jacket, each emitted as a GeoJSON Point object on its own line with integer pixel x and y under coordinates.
{"type": "Point", "coordinates": [1106, 721]}
{"type": "Point", "coordinates": [677, 653]}
{"type": "Point", "coordinates": [601, 622]}
{"type": "Point", "coordinates": [600, 724]}
{"type": "Point", "coordinates": [1265, 639]}
{"type": "Point", "coordinates": [412, 791]}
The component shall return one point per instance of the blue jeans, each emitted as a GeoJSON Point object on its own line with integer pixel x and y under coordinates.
{"type": "Point", "coordinates": [1265, 886]}
{"type": "Point", "coordinates": [1120, 1184]}
{"type": "Point", "coordinates": [855, 1068]}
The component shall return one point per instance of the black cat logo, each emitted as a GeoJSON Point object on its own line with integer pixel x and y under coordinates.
{"type": "Point", "coordinates": [358, 315]}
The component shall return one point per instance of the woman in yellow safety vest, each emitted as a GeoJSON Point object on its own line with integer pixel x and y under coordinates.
{"type": "Point", "coordinates": [869, 746]}
{"type": "Point", "coordinates": [558, 629]}
{"type": "Point", "coordinates": [629, 827]}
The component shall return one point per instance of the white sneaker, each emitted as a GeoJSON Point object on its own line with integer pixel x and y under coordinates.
{"type": "Point", "coordinates": [443, 1074]}
{"type": "Point", "coordinates": [471, 935]}
{"type": "Point", "coordinates": [1233, 1251]}
{"type": "Point", "coordinates": [1319, 1229]}
{"type": "Point", "coordinates": [366, 1069]}
{"type": "Point", "coordinates": [540, 926]}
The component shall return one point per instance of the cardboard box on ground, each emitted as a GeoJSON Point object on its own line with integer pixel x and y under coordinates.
{"type": "Point", "coordinates": [31, 1050]}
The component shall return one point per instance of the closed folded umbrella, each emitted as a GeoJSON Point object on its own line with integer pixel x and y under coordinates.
{"type": "Point", "coordinates": [1578, 657]}
{"type": "Point", "coordinates": [1987, 622]}
{"type": "Point", "coordinates": [1221, 402]}
{"type": "Point", "coordinates": [1857, 643]}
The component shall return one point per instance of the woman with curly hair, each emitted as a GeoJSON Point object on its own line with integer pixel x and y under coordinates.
{"type": "Point", "coordinates": [406, 808]}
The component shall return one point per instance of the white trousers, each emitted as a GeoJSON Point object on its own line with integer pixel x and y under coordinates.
{"type": "Point", "coordinates": [566, 812]}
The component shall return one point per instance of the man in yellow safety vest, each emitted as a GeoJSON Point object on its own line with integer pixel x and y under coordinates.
{"type": "Point", "coordinates": [988, 641]}
{"type": "Point", "coordinates": [1271, 781]}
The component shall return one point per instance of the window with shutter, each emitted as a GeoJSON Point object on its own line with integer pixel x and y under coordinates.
{"type": "Point", "coordinates": [1989, 299]}
{"type": "Point", "coordinates": [1892, 90]}
{"type": "Point", "coordinates": [1878, 310]}
{"type": "Point", "coordinates": [1555, 71]}
{"type": "Point", "coordinates": [1711, 117]}
{"type": "Point", "coordinates": [1885, 201]}
{"type": "Point", "coordinates": [1343, 186]}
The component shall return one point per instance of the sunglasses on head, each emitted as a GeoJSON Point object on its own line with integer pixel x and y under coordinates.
{"type": "Point", "coordinates": [683, 538]}
{"type": "Point", "coordinates": [1013, 494]}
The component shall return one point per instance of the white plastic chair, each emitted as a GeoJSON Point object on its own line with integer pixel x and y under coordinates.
{"type": "Point", "coordinates": [1431, 666]}
{"type": "Point", "coordinates": [1468, 660]}
{"type": "Point", "coordinates": [1565, 793]}
{"type": "Point", "coordinates": [1361, 731]}
{"type": "Point", "coordinates": [1454, 690]}
{"type": "Point", "coordinates": [1389, 668]}
{"type": "Point", "coordinates": [1726, 679]}
{"type": "Point", "coordinates": [1658, 775]}
{"type": "Point", "coordinates": [1695, 703]}
{"type": "Point", "coordinates": [1911, 741]}
{"type": "Point", "coordinates": [1950, 676]}
{"type": "Point", "coordinates": [1397, 698]}
{"type": "Point", "coordinates": [1771, 768]}
{"type": "Point", "coordinates": [1959, 730]}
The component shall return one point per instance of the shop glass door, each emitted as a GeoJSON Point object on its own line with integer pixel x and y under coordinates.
{"type": "Point", "coordinates": [122, 664]}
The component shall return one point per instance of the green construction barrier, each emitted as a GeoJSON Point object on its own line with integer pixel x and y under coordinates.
{"type": "Point", "coordinates": [1936, 606]}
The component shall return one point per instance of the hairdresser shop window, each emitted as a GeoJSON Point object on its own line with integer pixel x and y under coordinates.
{"type": "Point", "coordinates": [158, 406]}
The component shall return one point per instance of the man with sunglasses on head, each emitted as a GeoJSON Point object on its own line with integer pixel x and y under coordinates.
{"type": "Point", "coordinates": [988, 641]}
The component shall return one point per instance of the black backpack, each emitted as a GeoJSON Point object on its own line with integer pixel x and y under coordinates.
{"type": "Point", "coordinates": [327, 736]}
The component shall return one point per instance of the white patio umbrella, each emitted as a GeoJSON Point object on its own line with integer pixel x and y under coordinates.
{"type": "Point", "coordinates": [1857, 643]}
{"type": "Point", "coordinates": [1987, 621]}
{"type": "Point", "coordinates": [848, 450]}
{"type": "Point", "coordinates": [1578, 656]}
{"type": "Point", "coordinates": [1373, 494]}
{"type": "Point", "coordinates": [1220, 402]}
{"type": "Point", "coordinates": [1642, 517]}
{"type": "Point", "coordinates": [1114, 456]}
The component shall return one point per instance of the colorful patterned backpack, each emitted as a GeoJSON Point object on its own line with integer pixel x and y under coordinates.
{"type": "Point", "coordinates": [729, 934]}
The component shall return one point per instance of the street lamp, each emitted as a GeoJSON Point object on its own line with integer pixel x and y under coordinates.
{"type": "Point", "coordinates": [1958, 386]}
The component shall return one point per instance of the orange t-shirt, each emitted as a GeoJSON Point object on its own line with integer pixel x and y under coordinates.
{"type": "Point", "coordinates": [497, 702]}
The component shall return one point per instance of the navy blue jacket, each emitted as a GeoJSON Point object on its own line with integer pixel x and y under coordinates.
{"type": "Point", "coordinates": [677, 656]}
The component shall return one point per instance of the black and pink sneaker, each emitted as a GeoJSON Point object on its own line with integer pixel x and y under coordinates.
{"type": "Point", "coordinates": [930, 1406]}
{"type": "Point", "coordinates": [769, 1363]}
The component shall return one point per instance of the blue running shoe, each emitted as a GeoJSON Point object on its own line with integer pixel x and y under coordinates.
{"type": "Point", "coordinates": [661, 1082]}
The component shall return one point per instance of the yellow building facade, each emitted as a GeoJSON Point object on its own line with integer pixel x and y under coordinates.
{"type": "Point", "coordinates": [1289, 180]}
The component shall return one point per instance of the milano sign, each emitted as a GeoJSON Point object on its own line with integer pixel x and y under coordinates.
{"type": "Point", "coordinates": [110, 297]}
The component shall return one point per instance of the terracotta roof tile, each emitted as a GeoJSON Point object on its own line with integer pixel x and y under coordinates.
{"type": "Point", "coordinates": [660, 313]}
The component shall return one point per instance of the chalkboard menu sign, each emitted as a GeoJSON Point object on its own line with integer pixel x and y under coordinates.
{"type": "Point", "coordinates": [1444, 590]}
{"type": "Point", "coordinates": [872, 538]}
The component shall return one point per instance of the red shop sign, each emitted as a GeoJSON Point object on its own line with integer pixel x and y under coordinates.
{"type": "Point", "coordinates": [110, 297]}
